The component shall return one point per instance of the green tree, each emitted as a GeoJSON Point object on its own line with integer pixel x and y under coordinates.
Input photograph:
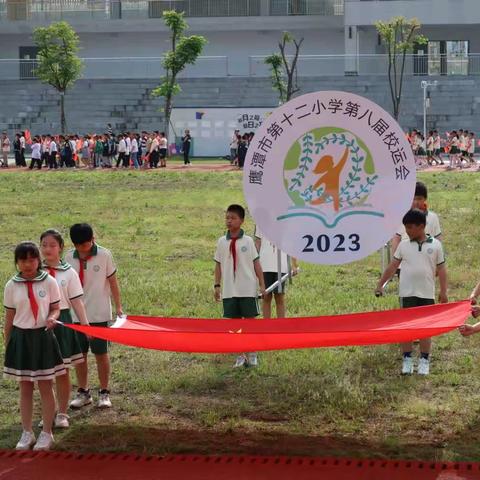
{"type": "Point", "coordinates": [400, 37]}
{"type": "Point", "coordinates": [185, 51]}
{"type": "Point", "coordinates": [58, 63]}
{"type": "Point", "coordinates": [283, 67]}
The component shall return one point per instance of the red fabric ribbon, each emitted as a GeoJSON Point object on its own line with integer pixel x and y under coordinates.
{"type": "Point", "coordinates": [32, 300]}
{"type": "Point", "coordinates": [250, 335]}
{"type": "Point", "coordinates": [233, 251]}
{"type": "Point", "coordinates": [83, 266]}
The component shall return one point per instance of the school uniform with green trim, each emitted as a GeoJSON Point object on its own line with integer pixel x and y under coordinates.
{"type": "Point", "coordinates": [70, 288]}
{"type": "Point", "coordinates": [420, 261]}
{"type": "Point", "coordinates": [94, 272]}
{"type": "Point", "coordinates": [239, 282]}
{"type": "Point", "coordinates": [32, 353]}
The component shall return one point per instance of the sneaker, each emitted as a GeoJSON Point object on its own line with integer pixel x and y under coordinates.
{"type": "Point", "coordinates": [241, 361]}
{"type": "Point", "coordinates": [44, 442]}
{"type": "Point", "coordinates": [407, 366]}
{"type": "Point", "coordinates": [252, 360]}
{"type": "Point", "coordinates": [104, 399]}
{"type": "Point", "coordinates": [26, 442]}
{"type": "Point", "coordinates": [423, 366]}
{"type": "Point", "coordinates": [82, 398]}
{"type": "Point", "coordinates": [61, 420]}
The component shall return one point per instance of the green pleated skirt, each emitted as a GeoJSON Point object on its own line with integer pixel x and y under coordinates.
{"type": "Point", "coordinates": [68, 341]}
{"type": "Point", "coordinates": [32, 355]}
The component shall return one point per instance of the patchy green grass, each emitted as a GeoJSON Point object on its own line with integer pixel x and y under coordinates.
{"type": "Point", "coordinates": [162, 228]}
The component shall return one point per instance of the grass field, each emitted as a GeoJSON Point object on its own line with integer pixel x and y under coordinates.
{"type": "Point", "coordinates": [162, 228]}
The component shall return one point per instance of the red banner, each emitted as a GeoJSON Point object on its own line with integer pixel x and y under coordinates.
{"type": "Point", "coordinates": [232, 335]}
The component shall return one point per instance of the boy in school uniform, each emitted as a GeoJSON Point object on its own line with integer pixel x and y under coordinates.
{"type": "Point", "coordinates": [432, 227]}
{"type": "Point", "coordinates": [237, 270]}
{"type": "Point", "coordinates": [96, 269]}
{"type": "Point", "coordinates": [422, 259]}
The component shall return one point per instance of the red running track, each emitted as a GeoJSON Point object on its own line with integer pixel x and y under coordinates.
{"type": "Point", "coordinates": [72, 466]}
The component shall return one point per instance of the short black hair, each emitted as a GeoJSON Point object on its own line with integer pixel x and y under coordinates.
{"type": "Point", "coordinates": [421, 190]}
{"type": "Point", "coordinates": [81, 233]}
{"type": "Point", "coordinates": [51, 232]}
{"type": "Point", "coordinates": [415, 217]}
{"type": "Point", "coordinates": [238, 209]}
{"type": "Point", "coordinates": [26, 250]}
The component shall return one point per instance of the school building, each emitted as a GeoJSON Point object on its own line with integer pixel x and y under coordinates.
{"type": "Point", "coordinates": [122, 43]}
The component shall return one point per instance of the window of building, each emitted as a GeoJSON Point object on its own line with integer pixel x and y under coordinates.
{"type": "Point", "coordinates": [448, 57]}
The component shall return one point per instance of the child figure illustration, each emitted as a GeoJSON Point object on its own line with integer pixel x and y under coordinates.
{"type": "Point", "coordinates": [330, 178]}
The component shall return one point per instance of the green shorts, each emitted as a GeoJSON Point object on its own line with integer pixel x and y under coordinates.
{"type": "Point", "coordinates": [240, 307]}
{"type": "Point", "coordinates": [97, 346]}
{"type": "Point", "coordinates": [270, 278]}
{"type": "Point", "coordinates": [409, 302]}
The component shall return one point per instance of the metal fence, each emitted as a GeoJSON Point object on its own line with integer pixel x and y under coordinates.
{"type": "Point", "coordinates": [50, 10]}
{"type": "Point", "coordinates": [375, 64]}
{"type": "Point", "coordinates": [224, 66]}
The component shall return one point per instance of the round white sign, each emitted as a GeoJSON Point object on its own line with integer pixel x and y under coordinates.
{"type": "Point", "coordinates": [329, 176]}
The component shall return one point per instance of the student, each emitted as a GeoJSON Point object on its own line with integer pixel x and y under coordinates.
{"type": "Point", "coordinates": [153, 153]}
{"type": "Point", "coordinates": [242, 150]}
{"type": "Point", "coordinates": [237, 270]}
{"type": "Point", "coordinates": [71, 293]}
{"type": "Point", "coordinates": [269, 262]}
{"type": "Point", "coordinates": [471, 148]}
{"type": "Point", "coordinates": [52, 153]}
{"type": "Point", "coordinates": [437, 145]}
{"type": "Point", "coordinates": [422, 259]}
{"type": "Point", "coordinates": [433, 223]}
{"type": "Point", "coordinates": [36, 154]}
{"type": "Point", "coordinates": [5, 150]}
{"type": "Point", "coordinates": [162, 149]}
{"type": "Point", "coordinates": [430, 147]}
{"type": "Point", "coordinates": [32, 302]}
{"type": "Point", "coordinates": [122, 147]}
{"type": "Point", "coordinates": [96, 269]}
{"type": "Point", "coordinates": [186, 142]}
{"type": "Point", "coordinates": [234, 147]}
{"type": "Point", "coordinates": [467, 330]}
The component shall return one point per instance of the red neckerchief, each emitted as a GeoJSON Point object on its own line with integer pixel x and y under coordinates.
{"type": "Point", "coordinates": [233, 251]}
{"type": "Point", "coordinates": [51, 271]}
{"type": "Point", "coordinates": [32, 300]}
{"type": "Point", "coordinates": [83, 267]}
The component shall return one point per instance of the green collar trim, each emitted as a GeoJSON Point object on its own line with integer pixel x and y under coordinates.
{"type": "Point", "coordinates": [240, 234]}
{"type": "Point", "coordinates": [62, 266]}
{"type": "Point", "coordinates": [429, 239]}
{"type": "Point", "coordinates": [41, 275]}
{"type": "Point", "coordinates": [93, 251]}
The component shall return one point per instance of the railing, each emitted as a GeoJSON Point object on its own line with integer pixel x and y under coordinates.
{"type": "Point", "coordinates": [324, 65]}
{"type": "Point", "coordinates": [48, 10]}
{"type": "Point", "coordinates": [306, 7]}
{"type": "Point", "coordinates": [222, 66]}
{"type": "Point", "coordinates": [121, 68]}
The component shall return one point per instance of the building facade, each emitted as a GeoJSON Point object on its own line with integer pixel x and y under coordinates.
{"type": "Point", "coordinates": [125, 39]}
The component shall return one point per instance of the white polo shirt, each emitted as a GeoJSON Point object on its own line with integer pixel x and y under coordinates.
{"type": "Point", "coordinates": [15, 297]}
{"type": "Point", "coordinates": [68, 282]}
{"type": "Point", "coordinates": [96, 287]}
{"type": "Point", "coordinates": [432, 227]}
{"type": "Point", "coordinates": [419, 267]}
{"type": "Point", "coordinates": [242, 283]}
{"type": "Point", "coordinates": [269, 255]}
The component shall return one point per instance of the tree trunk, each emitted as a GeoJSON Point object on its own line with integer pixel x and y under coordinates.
{"type": "Point", "coordinates": [168, 113]}
{"type": "Point", "coordinates": [63, 123]}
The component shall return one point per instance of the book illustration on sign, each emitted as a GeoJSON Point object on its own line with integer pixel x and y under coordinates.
{"type": "Point", "coordinates": [329, 174]}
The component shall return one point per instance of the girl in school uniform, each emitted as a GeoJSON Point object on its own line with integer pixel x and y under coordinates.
{"type": "Point", "coordinates": [454, 152]}
{"type": "Point", "coordinates": [71, 296]}
{"type": "Point", "coordinates": [32, 302]}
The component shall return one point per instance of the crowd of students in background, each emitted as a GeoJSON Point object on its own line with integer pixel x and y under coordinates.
{"type": "Point", "coordinates": [238, 147]}
{"type": "Point", "coordinates": [458, 147]}
{"type": "Point", "coordinates": [107, 150]}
